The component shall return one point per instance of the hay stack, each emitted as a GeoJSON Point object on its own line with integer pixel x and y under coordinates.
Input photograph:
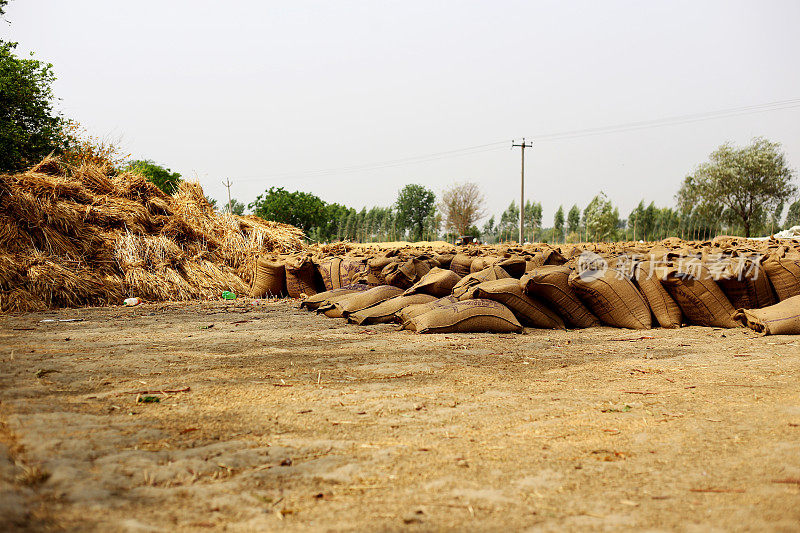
{"type": "Point", "coordinates": [77, 236]}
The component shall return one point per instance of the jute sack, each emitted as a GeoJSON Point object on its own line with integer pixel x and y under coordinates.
{"type": "Point", "coordinates": [699, 297]}
{"type": "Point", "coordinates": [612, 297]}
{"type": "Point", "coordinates": [269, 279]}
{"type": "Point", "coordinates": [461, 290]}
{"type": "Point", "coordinates": [547, 256]}
{"type": "Point", "coordinates": [300, 276]}
{"type": "Point", "coordinates": [368, 298]}
{"type": "Point", "coordinates": [529, 311]}
{"type": "Point", "coordinates": [469, 316]}
{"type": "Point", "coordinates": [665, 309]}
{"type": "Point", "coordinates": [744, 282]}
{"type": "Point", "coordinates": [551, 284]}
{"type": "Point", "coordinates": [413, 310]}
{"type": "Point", "coordinates": [385, 311]}
{"type": "Point", "coordinates": [514, 265]}
{"type": "Point", "coordinates": [460, 264]}
{"type": "Point", "coordinates": [483, 262]}
{"type": "Point", "coordinates": [375, 266]}
{"type": "Point", "coordinates": [350, 270]}
{"type": "Point", "coordinates": [328, 307]}
{"type": "Point", "coordinates": [313, 302]}
{"type": "Point", "coordinates": [405, 274]}
{"type": "Point", "coordinates": [437, 282]}
{"type": "Point", "coordinates": [783, 272]}
{"type": "Point", "coordinates": [444, 260]}
{"type": "Point", "coordinates": [328, 269]}
{"type": "Point", "coordinates": [780, 319]}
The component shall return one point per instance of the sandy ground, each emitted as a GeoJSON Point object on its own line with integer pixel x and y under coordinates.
{"type": "Point", "coordinates": [280, 419]}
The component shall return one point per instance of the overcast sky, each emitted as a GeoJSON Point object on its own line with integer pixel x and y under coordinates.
{"type": "Point", "coordinates": [321, 96]}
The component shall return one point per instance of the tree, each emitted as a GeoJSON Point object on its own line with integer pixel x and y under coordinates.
{"type": "Point", "coordinates": [161, 177]}
{"type": "Point", "coordinates": [212, 202]}
{"type": "Point", "coordinates": [30, 129]}
{"type": "Point", "coordinates": [558, 224]}
{"type": "Point", "coordinates": [793, 215]}
{"type": "Point", "coordinates": [601, 218]}
{"type": "Point", "coordinates": [301, 209]}
{"type": "Point", "coordinates": [749, 182]}
{"type": "Point", "coordinates": [463, 204]}
{"type": "Point", "coordinates": [533, 219]}
{"type": "Point", "coordinates": [237, 207]}
{"type": "Point", "coordinates": [573, 219]}
{"type": "Point", "coordinates": [489, 231]}
{"type": "Point", "coordinates": [509, 222]}
{"type": "Point", "coordinates": [414, 204]}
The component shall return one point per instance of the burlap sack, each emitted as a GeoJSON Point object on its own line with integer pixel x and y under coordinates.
{"type": "Point", "coordinates": [329, 308]}
{"type": "Point", "coordinates": [437, 282]}
{"type": "Point", "coordinates": [529, 311]}
{"type": "Point", "coordinates": [350, 270]}
{"type": "Point", "coordinates": [461, 290]}
{"type": "Point", "coordinates": [514, 265]}
{"type": "Point", "coordinates": [784, 273]}
{"type": "Point", "coordinates": [375, 266]}
{"type": "Point", "coordinates": [780, 319]}
{"type": "Point", "coordinates": [699, 296]}
{"type": "Point", "coordinates": [405, 274]}
{"type": "Point", "coordinates": [385, 311]}
{"type": "Point", "coordinates": [328, 269]}
{"type": "Point", "coordinates": [460, 264]}
{"type": "Point", "coordinates": [551, 284]}
{"type": "Point", "coordinates": [300, 276]}
{"type": "Point", "coordinates": [665, 309]}
{"type": "Point", "coordinates": [483, 262]}
{"type": "Point", "coordinates": [547, 256]}
{"type": "Point", "coordinates": [413, 310]}
{"type": "Point", "coordinates": [269, 279]}
{"type": "Point", "coordinates": [612, 297]}
{"type": "Point", "coordinates": [469, 316]}
{"type": "Point", "coordinates": [313, 302]}
{"type": "Point", "coordinates": [365, 299]}
{"type": "Point", "coordinates": [743, 281]}
{"type": "Point", "coordinates": [444, 260]}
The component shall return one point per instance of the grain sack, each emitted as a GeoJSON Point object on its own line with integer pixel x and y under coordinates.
{"type": "Point", "coordinates": [743, 281]}
{"type": "Point", "coordinates": [546, 257]}
{"type": "Point", "coordinates": [665, 309]}
{"type": "Point", "coordinates": [483, 262]}
{"type": "Point", "coordinates": [780, 319]}
{"type": "Point", "coordinates": [350, 270]}
{"type": "Point", "coordinates": [444, 260]}
{"type": "Point", "coordinates": [437, 282]}
{"type": "Point", "coordinates": [329, 271]}
{"type": "Point", "coordinates": [529, 311]}
{"type": "Point", "coordinates": [375, 266]}
{"type": "Point", "coordinates": [405, 274]}
{"type": "Point", "coordinates": [413, 310]}
{"type": "Point", "coordinates": [699, 297]}
{"type": "Point", "coordinates": [514, 265]}
{"type": "Point", "coordinates": [365, 299]}
{"type": "Point", "coordinates": [460, 264]}
{"type": "Point", "coordinates": [784, 273]}
{"type": "Point", "coordinates": [612, 297]}
{"type": "Point", "coordinates": [313, 302]}
{"type": "Point", "coordinates": [469, 316]}
{"type": "Point", "coordinates": [300, 276]}
{"type": "Point", "coordinates": [461, 290]}
{"type": "Point", "coordinates": [385, 311]}
{"type": "Point", "coordinates": [269, 279]}
{"type": "Point", "coordinates": [551, 284]}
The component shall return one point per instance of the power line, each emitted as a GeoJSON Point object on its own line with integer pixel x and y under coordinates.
{"type": "Point", "coordinates": [551, 137]}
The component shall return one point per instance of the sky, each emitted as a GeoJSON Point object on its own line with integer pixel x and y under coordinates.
{"type": "Point", "coordinates": [352, 100]}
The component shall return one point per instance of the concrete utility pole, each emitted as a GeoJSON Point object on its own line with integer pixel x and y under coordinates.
{"type": "Point", "coordinates": [228, 185]}
{"type": "Point", "coordinates": [522, 189]}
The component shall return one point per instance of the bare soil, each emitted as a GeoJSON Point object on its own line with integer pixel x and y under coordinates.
{"type": "Point", "coordinates": [273, 418]}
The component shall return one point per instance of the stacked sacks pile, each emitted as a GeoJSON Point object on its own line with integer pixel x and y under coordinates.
{"type": "Point", "coordinates": [77, 236]}
{"type": "Point", "coordinates": [495, 289]}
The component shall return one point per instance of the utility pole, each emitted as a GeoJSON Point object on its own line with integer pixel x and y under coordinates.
{"type": "Point", "coordinates": [522, 189]}
{"type": "Point", "coordinates": [228, 185]}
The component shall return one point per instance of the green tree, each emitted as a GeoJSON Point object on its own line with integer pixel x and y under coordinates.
{"type": "Point", "coordinates": [509, 222]}
{"type": "Point", "coordinates": [558, 224]}
{"type": "Point", "coordinates": [30, 128]}
{"type": "Point", "coordinates": [573, 219]}
{"type": "Point", "coordinates": [237, 207]}
{"type": "Point", "coordinates": [793, 215]}
{"type": "Point", "coordinates": [161, 177]}
{"type": "Point", "coordinates": [301, 209]}
{"type": "Point", "coordinates": [533, 219]}
{"type": "Point", "coordinates": [749, 182]}
{"type": "Point", "coordinates": [414, 204]}
{"type": "Point", "coordinates": [489, 231]}
{"type": "Point", "coordinates": [601, 218]}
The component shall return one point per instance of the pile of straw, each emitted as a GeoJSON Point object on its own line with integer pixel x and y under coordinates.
{"type": "Point", "coordinates": [77, 236]}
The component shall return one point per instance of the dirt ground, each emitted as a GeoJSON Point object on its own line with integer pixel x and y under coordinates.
{"type": "Point", "coordinates": [273, 418]}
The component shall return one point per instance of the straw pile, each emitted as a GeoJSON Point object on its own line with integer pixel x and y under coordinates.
{"type": "Point", "coordinates": [77, 236]}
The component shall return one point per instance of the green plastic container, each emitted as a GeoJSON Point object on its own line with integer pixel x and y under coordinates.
{"type": "Point", "coordinates": [228, 295]}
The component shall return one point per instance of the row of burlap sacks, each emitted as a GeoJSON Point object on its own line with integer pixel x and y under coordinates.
{"type": "Point", "coordinates": [462, 293]}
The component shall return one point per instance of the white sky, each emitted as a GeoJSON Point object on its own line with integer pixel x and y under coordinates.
{"type": "Point", "coordinates": [267, 93]}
